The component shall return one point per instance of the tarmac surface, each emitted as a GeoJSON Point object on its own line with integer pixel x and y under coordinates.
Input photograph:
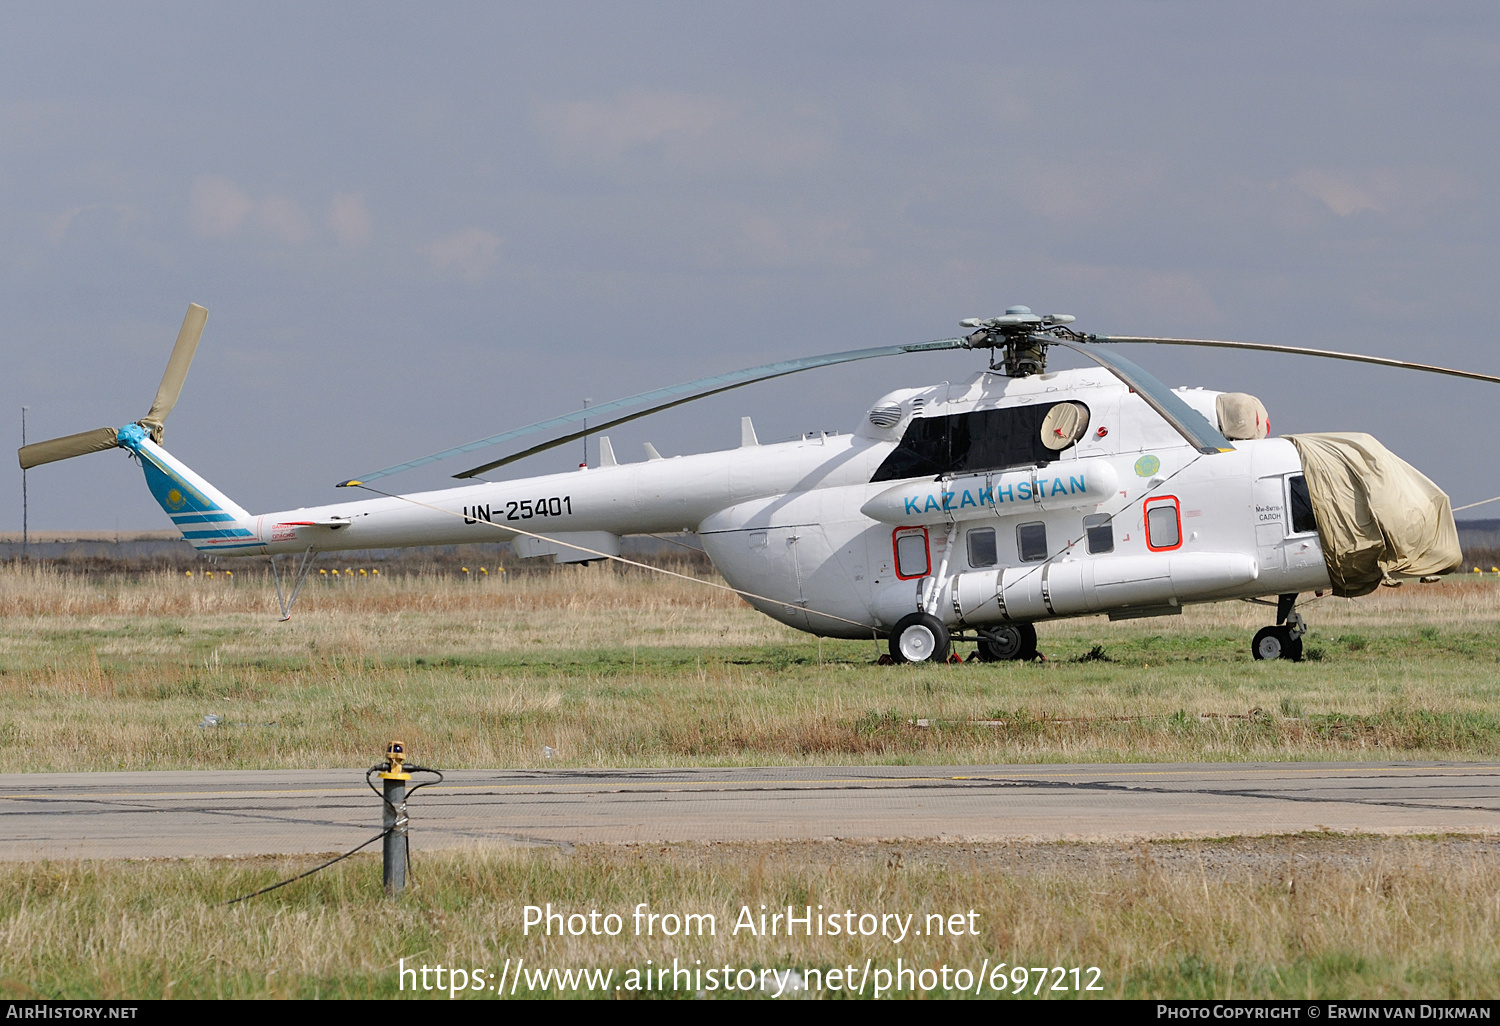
{"type": "Point", "coordinates": [267, 812]}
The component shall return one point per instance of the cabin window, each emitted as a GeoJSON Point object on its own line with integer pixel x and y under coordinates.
{"type": "Point", "coordinates": [1099, 528]}
{"type": "Point", "coordinates": [967, 443]}
{"type": "Point", "coordinates": [912, 557]}
{"type": "Point", "coordinates": [982, 548]}
{"type": "Point", "coordinates": [1303, 521]}
{"type": "Point", "coordinates": [1031, 542]}
{"type": "Point", "coordinates": [1163, 524]}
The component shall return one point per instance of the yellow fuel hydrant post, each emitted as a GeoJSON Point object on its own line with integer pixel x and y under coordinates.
{"type": "Point", "coordinates": [394, 820]}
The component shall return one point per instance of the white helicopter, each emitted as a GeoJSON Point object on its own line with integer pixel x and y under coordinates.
{"type": "Point", "coordinates": [958, 512]}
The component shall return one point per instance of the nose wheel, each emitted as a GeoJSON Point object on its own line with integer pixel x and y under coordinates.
{"type": "Point", "coordinates": [1284, 641]}
{"type": "Point", "coordinates": [1276, 643]}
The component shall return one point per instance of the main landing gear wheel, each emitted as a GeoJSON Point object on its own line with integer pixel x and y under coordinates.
{"type": "Point", "coordinates": [1010, 641]}
{"type": "Point", "coordinates": [1276, 643]}
{"type": "Point", "coordinates": [919, 638]}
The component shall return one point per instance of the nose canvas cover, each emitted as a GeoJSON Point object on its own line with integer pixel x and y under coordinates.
{"type": "Point", "coordinates": [1377, 515]}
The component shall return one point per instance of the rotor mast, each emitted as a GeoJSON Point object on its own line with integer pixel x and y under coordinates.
{"type": "Point", "coordinates": [1017, 339]}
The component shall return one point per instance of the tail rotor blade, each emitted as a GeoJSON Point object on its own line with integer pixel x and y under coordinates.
{"type": "Point", "coordinates": [177, 368]}
{"type": "Point", "coordinates": [54, 449]}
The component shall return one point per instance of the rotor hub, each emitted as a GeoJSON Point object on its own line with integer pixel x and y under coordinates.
{"type": "Point", "coordinates": [1017, 339]}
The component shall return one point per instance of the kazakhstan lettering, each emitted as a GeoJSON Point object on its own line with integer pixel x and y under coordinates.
{"type": "Point", "coordinates": [996, 495]}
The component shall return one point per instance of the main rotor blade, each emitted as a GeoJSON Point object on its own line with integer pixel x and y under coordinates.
{"type": "Point", "coordinates": [576, 435]}
{"type": "Point", "coordinates": [676, 394]}
{"type": "Point", "coordinates": [177, 368]}
{"type": "Point", "coordinates": [1188, 422]}
{"type": "Point", "coordinates": [54, 449]}
{"type": "Point", "coordinates": [1383, 361]}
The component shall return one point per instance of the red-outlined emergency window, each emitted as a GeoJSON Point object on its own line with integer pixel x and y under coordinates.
{"type": "Point", "coordinates": [1163, 523]}
{"type": "Point", "coordinates": [913, 557]}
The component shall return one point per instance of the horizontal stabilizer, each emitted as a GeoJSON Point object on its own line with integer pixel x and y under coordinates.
{"type": "Point", "coordinates": [81, 444]}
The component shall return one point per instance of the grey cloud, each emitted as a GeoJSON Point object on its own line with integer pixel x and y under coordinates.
{"type": "Point", "coordinates": [349, 219]}
{"type": "Point", "coordinates": [469, 252]}
{"type": "Point", "coordinates": [688, 134]}
{"type": "Point", "coordinates": [813, 177]}
{"type": "Point", "coordinates": [607, 129]}
{"type": "Point", "coordinates": [217, 207]}
{"type": "Point", "coordinates": [282, 219]}
{"type": "Point", "coordinates": [1404, 192]}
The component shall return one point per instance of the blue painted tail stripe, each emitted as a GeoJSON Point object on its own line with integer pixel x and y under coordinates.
{"type": "Point", "coordinates": [172, 493]}
{"type": "Point", "coordinates": [187, 506]}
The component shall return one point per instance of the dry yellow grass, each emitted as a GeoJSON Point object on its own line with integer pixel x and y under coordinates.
{"type": "Point", "coordinates": [1290, 917]}
{"type": "Point", "coordinates": [622, 669]}
{"type": "Point", "coordinates": [583, 594]}
{"type": "Point", "coordinates": [618, 669]}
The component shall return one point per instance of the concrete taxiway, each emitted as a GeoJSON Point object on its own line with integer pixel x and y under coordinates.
{"type": "Point", "coordinates": [146, 815]}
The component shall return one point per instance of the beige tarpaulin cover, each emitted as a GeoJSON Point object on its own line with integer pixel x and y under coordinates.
{"type": "Point", "coordinates": [1064, 424]}
{"type": "Point", "coordinates": [1242, 416]}
{"type": "Point", "coordinates": [1377, 515]}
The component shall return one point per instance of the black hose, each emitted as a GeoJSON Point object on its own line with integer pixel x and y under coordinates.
{"type": "Point", "coordinates": [383, 767]}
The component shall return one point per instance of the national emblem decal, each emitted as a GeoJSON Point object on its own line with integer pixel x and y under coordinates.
{"type": "Point", "coordinates": [1146, 466]}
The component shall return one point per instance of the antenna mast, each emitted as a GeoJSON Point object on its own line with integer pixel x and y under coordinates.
{"type": "Point", "coordinates": [25, 506]}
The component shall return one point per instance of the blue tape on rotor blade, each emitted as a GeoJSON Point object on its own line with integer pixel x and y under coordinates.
{"type": "Point", "coordinates": [717, 381]}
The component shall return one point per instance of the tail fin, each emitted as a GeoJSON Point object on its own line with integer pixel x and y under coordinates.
{"type": "Point", "coordinates": [207, 518]}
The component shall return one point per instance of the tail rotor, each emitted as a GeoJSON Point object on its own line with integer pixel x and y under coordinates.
{"type": "Point", "coordinates": [99, 439]}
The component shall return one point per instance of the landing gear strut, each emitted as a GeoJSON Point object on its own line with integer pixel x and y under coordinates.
{"type": "Point", "coordinates": [296, 577]}
{"type": "Point", "coordinates": [1284, 641]}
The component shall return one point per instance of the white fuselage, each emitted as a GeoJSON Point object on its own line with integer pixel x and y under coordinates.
{"type": "Point", "coordinates": [801, 529]}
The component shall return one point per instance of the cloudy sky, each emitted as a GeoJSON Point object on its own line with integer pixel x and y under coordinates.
{"type": "Point", "coordinates": [414, 225]}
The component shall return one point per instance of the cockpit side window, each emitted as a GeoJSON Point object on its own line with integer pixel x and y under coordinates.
{"type": "Point", "coordinates": [1303, 520]}
{"type": "Point", "coordinates": [965, 443]}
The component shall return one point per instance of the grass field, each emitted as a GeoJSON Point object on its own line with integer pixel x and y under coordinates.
{"type": "Point", "coordinates": [611, 669]}
{"type": "Point", "coordinates": [1299, 917]}
{"type": "Point", "coordinates": [614, 669]}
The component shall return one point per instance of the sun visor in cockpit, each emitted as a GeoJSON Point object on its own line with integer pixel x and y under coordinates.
{"type": "Point", "coordinates": [1377, 515]}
